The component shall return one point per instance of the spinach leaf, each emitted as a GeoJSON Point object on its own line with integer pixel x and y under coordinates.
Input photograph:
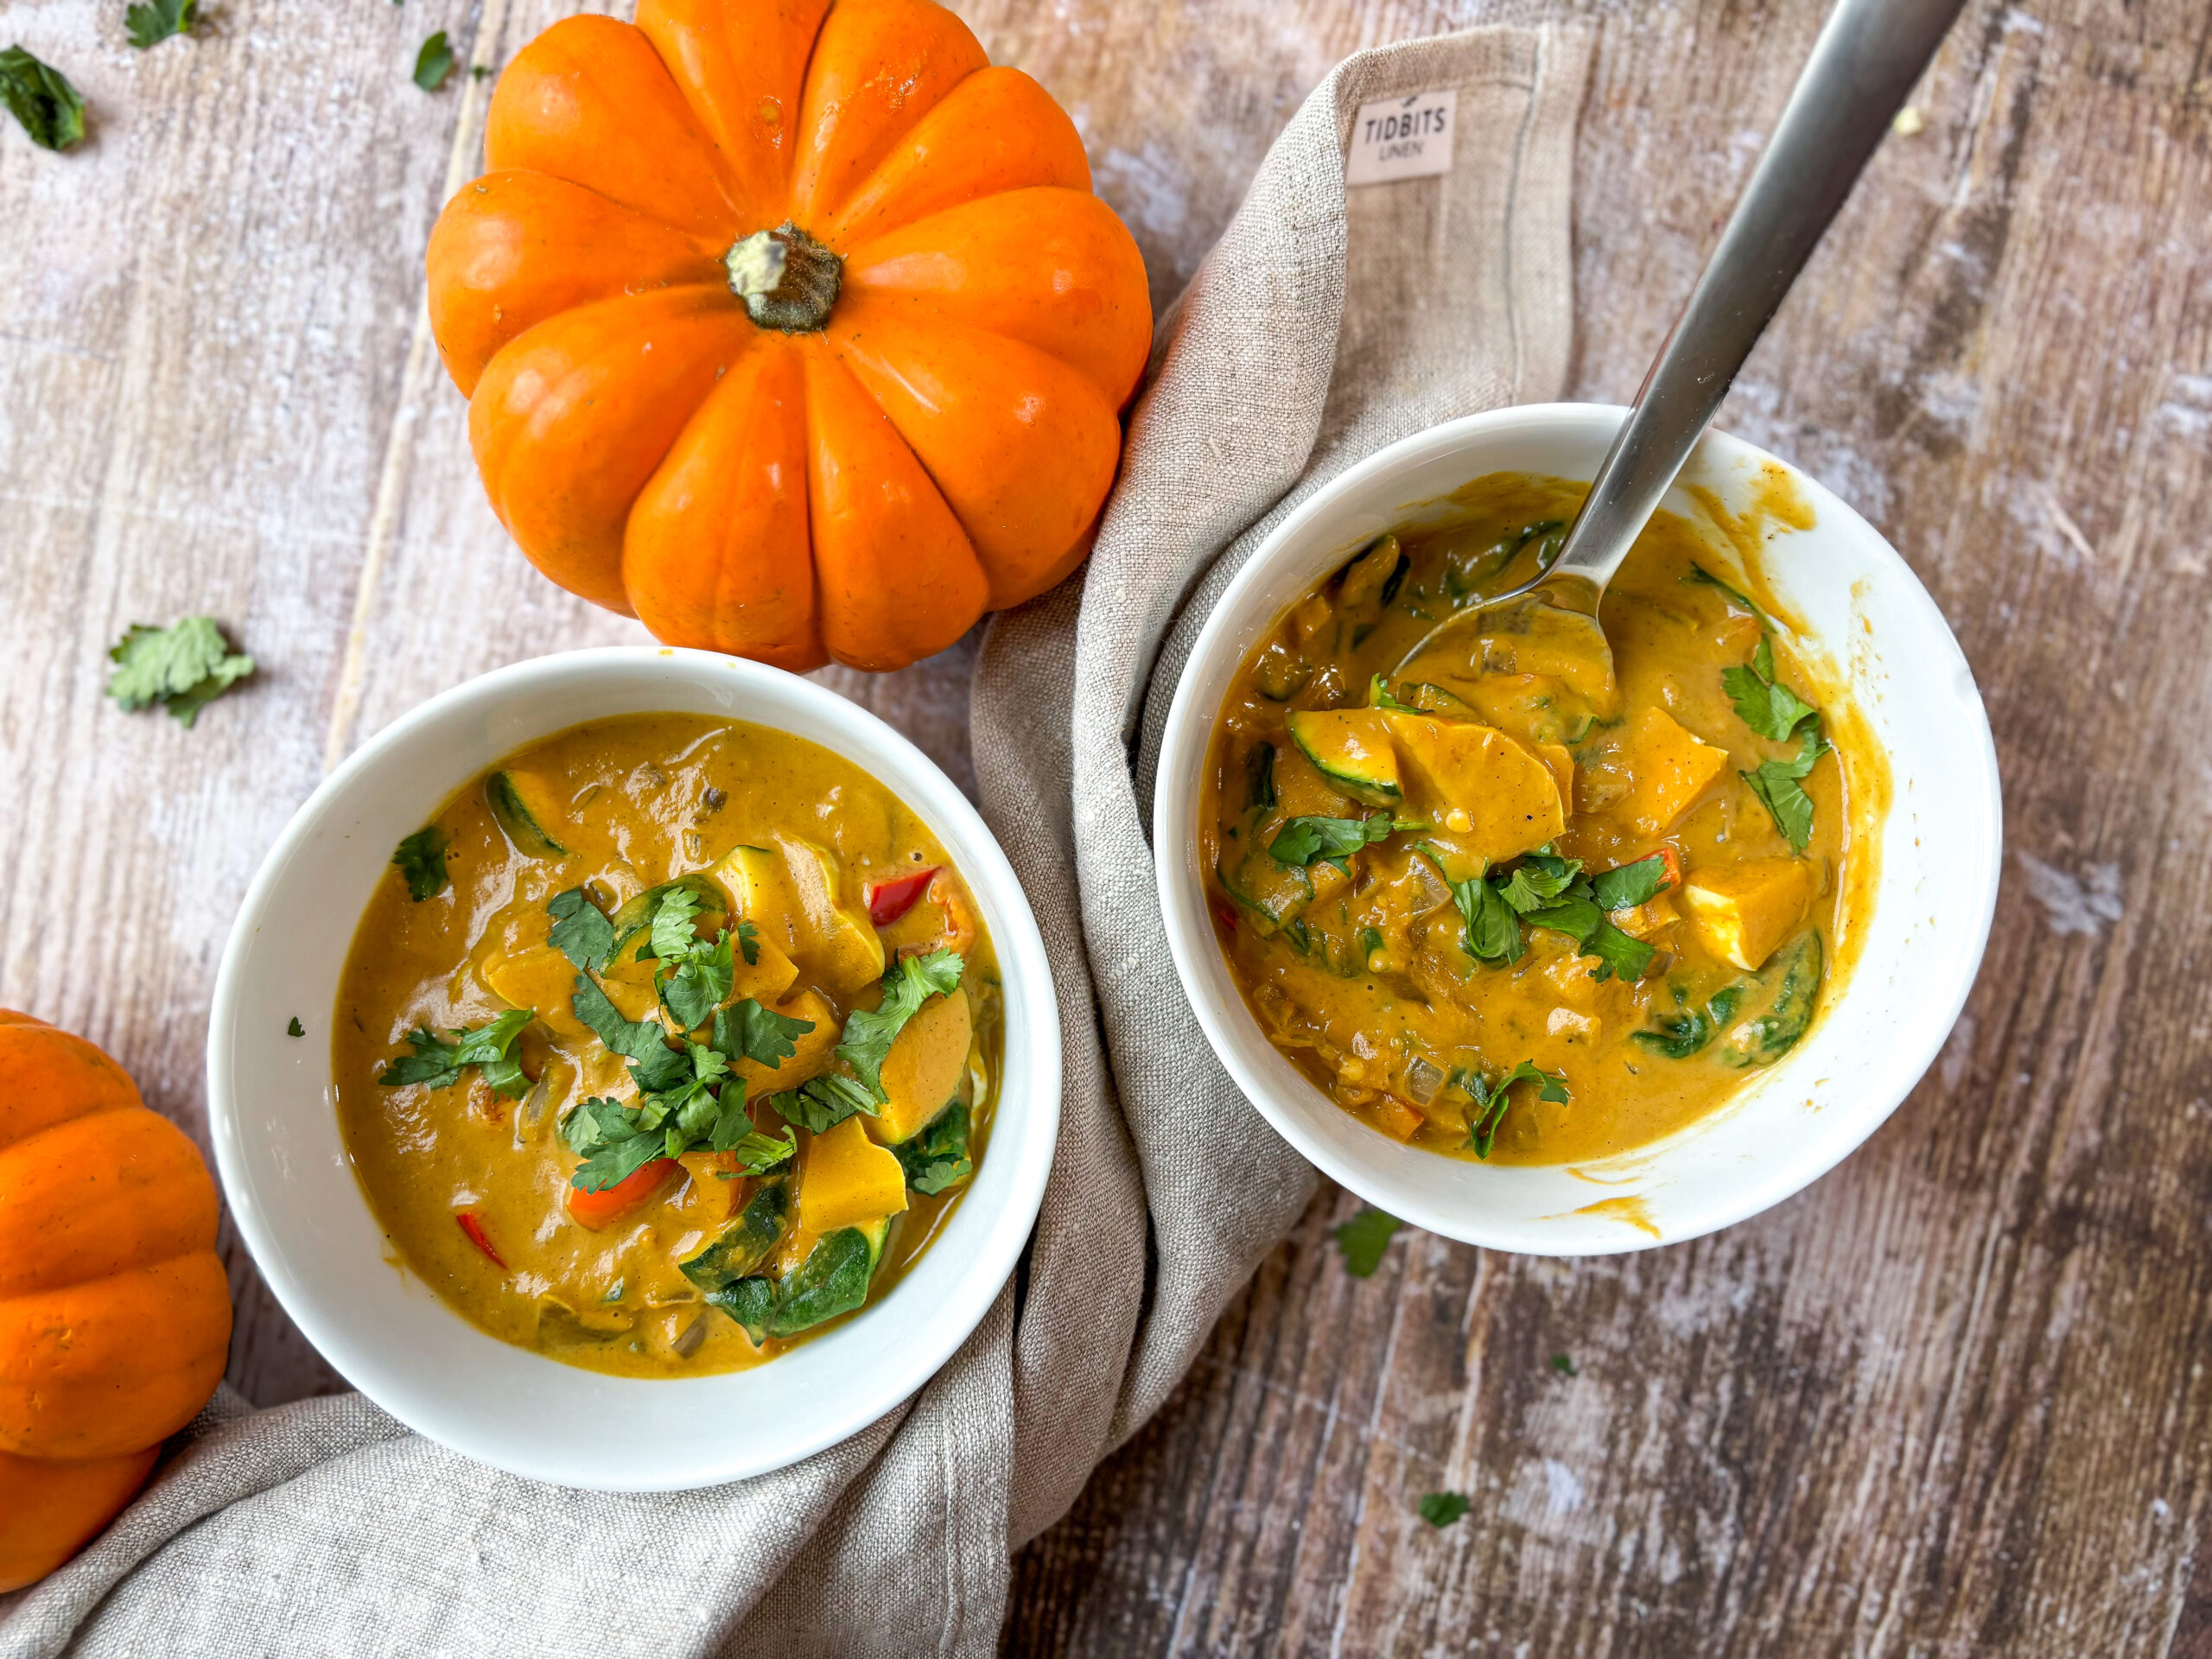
{"type": "Point", "coordinates": [420, 858]}
{"type": "Point", "coordinates": [438, 1064]}
{"type": "Point", "coordinates": [1620, 953]}
{"type": "Point", "coordinates": [1260, 779]}
{"type": "Point", "coordinates": [937, 1158]}
{"type": "Point", "coordinates": [1308, 841]}
{"type": "Point", "coordinates": [833, 1279]}
{"type": "Point", "coordinates": [1490, 1100]}
{"type": "Point", "coordinates": [1493, 929]}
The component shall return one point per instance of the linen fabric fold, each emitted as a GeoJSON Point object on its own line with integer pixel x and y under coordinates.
{"type": "Point", "coordinates": [1327, 323]}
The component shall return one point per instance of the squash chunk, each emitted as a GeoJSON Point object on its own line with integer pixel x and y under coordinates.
{"type": "Point", "coordinates": [1492, 793]}
{"type": "Point", "coordinates": [845, 1180]}
{"type": "Point", "coordinates": [543, 980]}
{"type": "Point", "coordinates": [1352, 748]}
{"type": "Point", "coordinates": [923, 1068]}
{"type": "Point", "coordinates": [1743, 912]}
{"type": "Point", "coordinates": [810, 1049]}
{"type": "Point", "coordinates": [844, 948]}
{"type": "Point", "coordinates": [1669, 770]}
{"type": "Point", "coordinates": [767, 977]}
{"type": "Point", "coordinates": [1558, 760]}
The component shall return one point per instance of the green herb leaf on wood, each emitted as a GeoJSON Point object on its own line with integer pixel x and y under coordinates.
{"type": "Point", "coordinates": [1441, 1510]}
{"type": "Point", "coordinates": [182, 667]}
{"type": "Point", "coordinates": [1363, 1238]}
{"type": "Point", "coordinates": [41, 97]}
{"type": "Point", "coordinates": [155, 21]}
{"type": "Point", "coordinates": [434, 62]}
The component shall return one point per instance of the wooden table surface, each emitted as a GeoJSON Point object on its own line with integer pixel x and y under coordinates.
{"type": "Point", "coordinates": [1952, 1399]}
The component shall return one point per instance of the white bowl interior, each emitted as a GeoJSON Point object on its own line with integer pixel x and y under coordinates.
{"type": "Point", "coordinates": [302, 1212]}
{"type": "Point", "coordinates": [1940, 854]}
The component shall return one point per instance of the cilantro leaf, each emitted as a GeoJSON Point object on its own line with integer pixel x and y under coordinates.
{"type": "Point", "coordinates": [41, 97]}
{"type": "Point", "coordinates": [1378, 696]}
{"type": "Point", "coordinates": [1306, 841]}
{"type": "Point", "coordinates": [1564, 1365]}
{"type": "Point", "coordinates": [1776, 784]}
{"type": "Point", "coordinates": [1699, 573]}
{"type": "Point", "coordinates": [581, 929]}
{"type": "Point", "coordinates": [1629, 885]}
{"type": "Point", "coordinates": [183, 667]}
{"type": "Point", "coordinates": [1617, 953]}
{"type": "Point", "coordinates": [673, 933]}
{"type": "Point", "coordinates": [1770, 708]}
{"type": "Point", "coordinates": [823, 1102]}
{"type": "Point", "coordinates": [149, 24]}
{"type": "Point", "coordinates": [760, 1153]}
{"type": "Point", "coordinates": [294, 1028]}
{"type": "Point", "coordinates": [1490, 1100]}
{"type": "Point", "coordinates": [654, 1065]}
{"type": "Point", "coordinates": [422, 858]}
{"type": "Point", "coordinates": [1539, 882]}
{"type": "Point", "coordinates": [1363, 1239]}
{"type": "Point", "coordinates": [869, 1032]}
{"type": "Point", "coordinates": [1441, 1510]}
{"type": "Point", "coordinates": [937, 1158]}
{"type": "Point", "coordinates": [701, 980]}
{"type": "Point", "coordinates": [438, 1064]}
{"type": "Point", "coordinates": [1574, 913]}
{"type": "Point", "coordinates": [434, 62]}
{"type": "Point", "coordinates": [746, 1031]}
{"type": "Point", "coordinates": [615, 1141]}
{"type": "Point", "coordinates": [748, 943]}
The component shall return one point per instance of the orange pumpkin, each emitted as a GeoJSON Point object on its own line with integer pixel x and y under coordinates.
{"type": "Point", "coordinates": [115, 1315]}
{"type": "Point", "coordinates": [791, 327]}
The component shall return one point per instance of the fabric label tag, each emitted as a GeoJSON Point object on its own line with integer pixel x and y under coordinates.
{"type": "Point", "coordinates": [1402, 138]}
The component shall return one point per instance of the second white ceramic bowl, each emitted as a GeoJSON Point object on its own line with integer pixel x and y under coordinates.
{"type": "Point", "coordinates": [1940, 854]}
{"type": "Point", "coordinates": [301, 1212]}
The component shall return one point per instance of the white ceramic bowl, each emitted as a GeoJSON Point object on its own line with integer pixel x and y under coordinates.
{"type": "Point", "coordinates": [1940, 854]}
{"type": "Point", "coordinates": [302, 1211]}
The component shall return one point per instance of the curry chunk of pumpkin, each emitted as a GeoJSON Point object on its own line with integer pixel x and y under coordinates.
{"type": "Point", "coordinates": [1743, 912]}
{"type": "Point", "coordinates": [543, 980]}
{"type": "Point", "coordinates": [791, 894]}
{"type": "Point", "coordinates": [1493, 794]}
{"type": "Point", "coordinates": [1670, 772]}
{"type": "Point", "coordinates": [923, 1070]}
{"type": "Point", "coordinates": [845, 1180]}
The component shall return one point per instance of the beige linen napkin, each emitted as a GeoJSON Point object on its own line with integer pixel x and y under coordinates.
{"type": "Point", "coordinates": [1327, 323]}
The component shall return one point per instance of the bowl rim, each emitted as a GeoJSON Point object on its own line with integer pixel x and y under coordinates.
{"type": "Point", "coordinates": [1036, 1093]}
{"type": "Point", "coordinates": [1188, 730]}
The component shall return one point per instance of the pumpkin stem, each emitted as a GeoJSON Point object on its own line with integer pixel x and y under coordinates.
{"type": "Point", "coordinates": [787, 280]}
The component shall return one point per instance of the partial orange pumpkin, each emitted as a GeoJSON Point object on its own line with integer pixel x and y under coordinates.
{"type": "Point", "coordinates": [792, 328]}
{"type": "Point", "coordinates": [115, 1315]}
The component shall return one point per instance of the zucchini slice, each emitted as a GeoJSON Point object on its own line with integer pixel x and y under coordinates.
{"type": "Point", "coordinates": [745, 1240]}
{"type": "Point", "coordinates": [1272, 891]}
{"type": "Point", "coordinates": [1352, 747]}
{"type": "Point", "coordinates": [509, 797]}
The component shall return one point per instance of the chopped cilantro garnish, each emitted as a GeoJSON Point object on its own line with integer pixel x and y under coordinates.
{"type": "Point", "coordinates": [744, 1030]}
{"type": "Point", "coordinates": [1363, 1239]}
{"type": "Point", "coordinates": [654, 1065]}
{"type": "Point", "coordinates": [294, 1028]}
{"type": "Point", "coordinates": [1630, 885]}
{"type": "Point", "coordinates": [146, 25]}
{"type": "Point", "coordinates": [422, 860]}
{"type": "Point", "coordinates": [1777, 784]}
{"type": "Point", "coordinates": [823, 1102]}
{"type": "Point", "coordinates": [437, 1064]}
{"type": "Point", "coordinates": [937, 1158]}
{"type": "Point", "coordinates": [1699, 573]}
{"type": "Point", "coordinates": [1307, 841]}
{"type": "Point", "coordinates": [1548, 891]}
{"type": "Point", "coordinates": [41, 97]}
{"type": "Point", "coordinates": [581, 929]}
{"type": "Point", "coordinates": [1765, 705]}
{"type": "Point", "coordinates": [1441, 1510]}
{"type": "Point", "coordinates": [869, 1032]}
{"type": "Point", "coordinates": [183, 667]}
{"type": "Point", "coordinates": [1490, 1100]}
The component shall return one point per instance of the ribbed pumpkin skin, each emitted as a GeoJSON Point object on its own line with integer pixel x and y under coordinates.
{"type": "Point", "coordinates": [942, 446]}
{"type": "Point", "coordinates": [115, 1314]}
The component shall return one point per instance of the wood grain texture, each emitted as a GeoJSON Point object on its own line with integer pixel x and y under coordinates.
{"type": "Point", "coordinates": [1952, 1399]}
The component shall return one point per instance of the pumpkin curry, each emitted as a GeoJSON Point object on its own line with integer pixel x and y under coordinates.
{"type": "Point", "coordinates": [1498, 897]}
{"type": "Point", "coordinates": [666, 1042]}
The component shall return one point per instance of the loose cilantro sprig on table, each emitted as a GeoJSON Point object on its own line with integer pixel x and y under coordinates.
{"type": "Point", "coordinates": [438, 1064]}
{"type": "Point", "coordinates": [154, 22]}
{"type": "Point", "coordinates": [420, 858]}
{"type": "Point", "coordinates": [182, 667]}
{"type": "Point", "coordinates": [434, 62]}
{"type": "Point", "coordinates": [1544, 890]}
{"type": "Point", "coordinates": [1441, 1510]}
{"type": "Point", "coordinates": [1490, 1100]}
{"type": "Point", "coordinates": [1363, 1238]}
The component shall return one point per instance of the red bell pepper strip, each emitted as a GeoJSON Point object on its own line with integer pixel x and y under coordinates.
{"type": "Point", "coordinates": [1671, 862]}
{"type": "Point", "coordinates": [888, 900]}
{"type": "Point", "coordinates": [610, 1205]}
{"type": "Point", "coordinates": [477, 1236]}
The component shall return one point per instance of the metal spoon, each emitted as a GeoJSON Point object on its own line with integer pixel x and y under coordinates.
{"type": "Point", "coordinates": [1867, 57]}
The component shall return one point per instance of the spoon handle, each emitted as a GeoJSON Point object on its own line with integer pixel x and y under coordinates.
{"type": "Point", "coordinates": [1867, 57]}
